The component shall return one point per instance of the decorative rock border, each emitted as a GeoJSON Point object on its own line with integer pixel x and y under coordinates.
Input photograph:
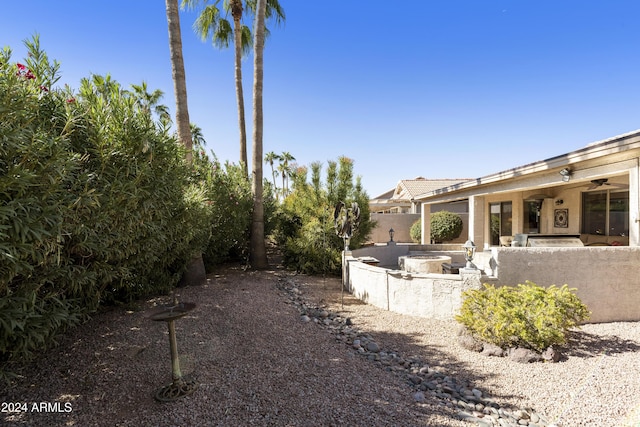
{"type": "Point", "coordinates": [471, 403]}
{"type": "Point", "coordinates": [517, 354]}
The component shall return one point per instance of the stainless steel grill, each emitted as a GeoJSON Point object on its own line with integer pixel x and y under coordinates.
{"type": "Point", "coordinates": [548, 240]}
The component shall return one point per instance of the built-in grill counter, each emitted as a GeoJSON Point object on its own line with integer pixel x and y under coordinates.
{"type": "Point", "coordinates": [547, 240]}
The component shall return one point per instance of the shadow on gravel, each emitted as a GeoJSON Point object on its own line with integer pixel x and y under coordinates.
{"type": "Point", "coordinates": [438, 358]}
{"type": "Point", "coordinates": [583, 344]}
{"type": "Point", "coordinates": [410, 345]}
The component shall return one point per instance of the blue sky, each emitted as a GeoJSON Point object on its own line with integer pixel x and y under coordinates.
{"type": "Point", "coordinates": [435, 88]}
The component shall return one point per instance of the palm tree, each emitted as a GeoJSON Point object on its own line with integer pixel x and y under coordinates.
{"type": "Point", "coordinates": [258, 252]}
{"type": "Point", "coordinates": [105, 85]}
{"type": "Point", "coordinates": [196, 135]}
{"type": "Point", "coordinates": [270, 158]}
{"type": "Point", "coordinates": [179, 78]}
{"type": "Point", "coordinates": [150, 101]}
{"type": "Point", "coordinates": [286, 170]}
{"type": "Point", "coordinates": [241, 45]}
{"type": "Point", "coordinates": [210, 23]}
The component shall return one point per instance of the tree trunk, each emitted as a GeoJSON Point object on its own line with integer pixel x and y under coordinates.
{"type": "Point", "coordinates": [258, 253]}
{"type": "Point", "coordinates": [237, 35]}
{"type": "Point", "coordinates": [179, 78]}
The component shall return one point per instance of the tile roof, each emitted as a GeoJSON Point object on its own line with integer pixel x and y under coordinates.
{"type": "Point", "coordinates": [410, 188]}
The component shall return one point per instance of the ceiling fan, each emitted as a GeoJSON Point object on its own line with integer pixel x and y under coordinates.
{"type": "Point", "coordinates": [595, 183]}
{"type": "Point", "coordinates": [599, 182]}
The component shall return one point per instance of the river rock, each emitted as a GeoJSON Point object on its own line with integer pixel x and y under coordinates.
{"type": "Point", "coordinates": [373, 347]}
{"type": "Point", "coordinates": [524, 355]}
{"type": "Point", "coordinates": [492, 350]}
{"type": "Point", "coordinates": [470, 343]}
{"type": "Point", "coordinates": [551, 354]}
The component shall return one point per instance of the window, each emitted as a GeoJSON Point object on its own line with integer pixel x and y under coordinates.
{"type": "Point", "coordinates": [605, 212]}
{"type": "Point", "coordinates": [500, 221]}
{"type": "Point", "coordinates": [532, 216]}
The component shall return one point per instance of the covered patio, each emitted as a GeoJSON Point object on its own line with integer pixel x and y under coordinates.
{"type": "Point", "coordinates": [585, 203]}
{"type": "Point", "coordinates": [592, 192]}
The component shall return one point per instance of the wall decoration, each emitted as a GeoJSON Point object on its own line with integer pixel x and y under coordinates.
{"type": "Point", "coordinates": [561, 218]}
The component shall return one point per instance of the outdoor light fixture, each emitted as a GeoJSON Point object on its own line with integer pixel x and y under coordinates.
{"type": "Point", "coordinates": [559, 202]}
{"type": "Point", "coordinates": [566, 174]}
{"type": "Point", "coordinates": [391, 233]}
{"type": "Point", "coordinates": [469, 251]}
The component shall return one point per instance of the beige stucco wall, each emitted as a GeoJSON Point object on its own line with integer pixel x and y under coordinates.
{"type": "Point", "coordinates": [401, 223]}
{"type": "Point", "coordinates": [607, 278]}
{"type": "Point", "coordinates": [437, 296]}
{"type": "Point", "coordinates": [387, 254]}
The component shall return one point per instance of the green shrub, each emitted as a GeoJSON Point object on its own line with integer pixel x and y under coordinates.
{"type": "Point", "coordinates": [445, 226]}
{"type": "Point", "coordinates": [415, 232]}
{"type": "Point", "coordinates": [311, 252]}
{"type": "Point", "coordinates": [526, 316]}
{"type": "Point", "coordinates": [149, 221]}
{"type": "Point", "coordinates": [96, 203]}
{"type": "Point", "coordinates": [305, 224]}
{"type": "Point", "coordinates": [42, 189]}
{"type": "Point", "coordinates": [229, 207]}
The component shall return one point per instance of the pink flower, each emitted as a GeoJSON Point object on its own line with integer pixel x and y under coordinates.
{"type": "Point", "coordinates": [24, 72]}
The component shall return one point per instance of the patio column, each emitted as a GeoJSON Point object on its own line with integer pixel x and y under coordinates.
{"type": "Point", "coordinates": [476, 220]}
{"type": "Point", "coordinates": [634, 205]}
{"type": "Point", "coordinates": [425, 218]}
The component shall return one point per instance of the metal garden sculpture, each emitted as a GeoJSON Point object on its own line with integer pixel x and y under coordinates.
{"type": "Point", "coordinates": [346, 221]}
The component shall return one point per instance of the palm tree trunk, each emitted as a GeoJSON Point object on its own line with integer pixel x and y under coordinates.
{"type": "Point", "coordinates": [258, 253]}
{"type": "Point", "coordinates": [237, 34]}
{"type": "Point", "coordinates": [179, 78]}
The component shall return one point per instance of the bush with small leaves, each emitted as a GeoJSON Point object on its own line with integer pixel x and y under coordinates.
{"type": "Point", "coordinates": [527, 315]}
{"type": "Point", "coordinates": [445, 226]}
{"type": "Point", "coordinates": [415, 232]}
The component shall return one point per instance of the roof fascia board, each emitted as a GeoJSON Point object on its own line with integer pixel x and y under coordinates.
{"type": "Point", "coordinates": [628, 141]}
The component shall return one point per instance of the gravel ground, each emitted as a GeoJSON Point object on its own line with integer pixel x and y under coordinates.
{"type": "Point", "coordinates": [257, 363]}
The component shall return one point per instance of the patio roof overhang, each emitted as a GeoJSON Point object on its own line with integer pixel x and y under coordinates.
{"type": "Point", "coordinates": [607, 158]}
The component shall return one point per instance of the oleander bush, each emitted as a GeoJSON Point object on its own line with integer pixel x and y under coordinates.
{"type": "Point", "coordinates": [229, 204]}
{"type": "Point", "coordinates": [527, 315]}
{"type": "Point", "coordinates": [41, 190]}
{"type": "Point", "coordinates": [97, 204]}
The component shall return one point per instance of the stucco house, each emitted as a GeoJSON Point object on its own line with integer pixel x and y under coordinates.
{"type": "Point", "coordinates": [398, 208]}
{"type": "Point", "coordinates": [403, 197]}
{"type": "Point", "coordinates": [592, 193]}
{"type": "Point", "coordinates": [572, 219]}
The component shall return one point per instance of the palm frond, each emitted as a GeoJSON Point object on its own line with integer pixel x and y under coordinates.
{"type": "Point", "coordinates": [274, 12]}
{"type": "Point", "coordinates": [223, 34]}
{"type": "Point", "coordinates": [247, 40]}
{"type": "Point", "coordinates": [207, 22]}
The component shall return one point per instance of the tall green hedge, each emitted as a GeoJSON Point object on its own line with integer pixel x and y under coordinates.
{"type": "Point", "coordinates": [41, 292]}
{"type": "Point", "coordinates": [96, 202]}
